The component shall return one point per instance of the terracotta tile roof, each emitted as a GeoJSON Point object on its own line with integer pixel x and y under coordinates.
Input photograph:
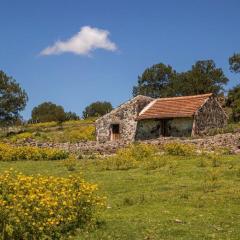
{"type": "Point", "coordinates": [173, 107]}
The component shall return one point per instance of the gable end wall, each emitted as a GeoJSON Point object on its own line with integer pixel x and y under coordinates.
{"type": "Point", "coordinates": [210, 115]}
{"type": "Point", "coordinates": [125, 115]}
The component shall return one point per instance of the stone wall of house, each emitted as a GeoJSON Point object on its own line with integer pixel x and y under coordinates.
{"type": "Point", "coordinates": [209, 116]}
{"type": "Point", "coordinates": [125, 116]}
{"type": "Point", "coordinates": [180, 127]}
{"type": "Point", "coordinates": [148, 129]}
{"type": "Point", "coordinates": [151, 129]}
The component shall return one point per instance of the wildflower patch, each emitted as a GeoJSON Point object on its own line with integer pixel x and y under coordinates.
{"type": "Point", "coordinates": [40, 207]}
{"type": "Point", "coordinates": [16, 153]}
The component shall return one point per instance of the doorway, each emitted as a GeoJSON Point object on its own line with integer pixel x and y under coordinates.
{"type": "Point", "coordinates": [165, 128]}
{"type": "Point", "coordinates": [115, 132]}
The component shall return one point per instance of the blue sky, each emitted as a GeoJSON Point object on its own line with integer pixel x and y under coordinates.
{"type": "Point", "coordinates": [144, 33]}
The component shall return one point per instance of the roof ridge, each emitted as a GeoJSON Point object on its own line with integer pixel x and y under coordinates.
{"type": "Point", "coordinates": [186, 97]}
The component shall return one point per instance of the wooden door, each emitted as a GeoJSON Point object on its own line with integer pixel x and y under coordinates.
{"type": "Point", "coordinates": [115, 132]}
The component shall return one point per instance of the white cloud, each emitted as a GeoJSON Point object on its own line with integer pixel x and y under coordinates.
{"type": "Point", "coordinates": [85, 41]}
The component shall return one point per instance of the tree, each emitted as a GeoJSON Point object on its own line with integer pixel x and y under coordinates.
{"type": "Point", "coordinates": [204, 77]}
{"type": "Point", "coordinates": [71, 116]}
{"type": "Point", "coordinates": [233, 101]}
{"type": "Point", "coordinates": [156, 81]}
{"type": "Point", "coordinates": [234, 62]}
{"type": "Point", "coordinates": [47, 112]}
{"type": "Point", "coordinates": [13, 99]}
{"type": "Point", "coordinates": [97, 109]}
{"type": "Point", "coordinates": [162, 81]}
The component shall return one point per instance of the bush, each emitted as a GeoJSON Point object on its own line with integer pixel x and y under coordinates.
{"type": "Point", "coordinates": [13, 153]}
{"type": "Point", "coordinates": [83, 133]}
{"type": "Point", "coordinates": [21, 137]}
{"type": "Point", "coordinates": [179, 149]}
{"type": "Point", "coordinates": [129, 157]}
{"type": "Point", "coordinates": [38, 207]}
{"type": "Point", "coordinates": [229, 128]}
{"type": "Point", "coordinates": [141, 151]}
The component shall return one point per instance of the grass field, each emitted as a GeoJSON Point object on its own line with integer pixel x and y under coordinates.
{"type": "Point", "coordinates": [186, 198]}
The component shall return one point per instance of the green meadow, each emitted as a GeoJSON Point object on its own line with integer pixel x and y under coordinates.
{"type": "Point", "coordinates": [179, 197]}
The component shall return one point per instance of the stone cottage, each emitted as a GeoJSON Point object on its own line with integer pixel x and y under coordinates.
{"type": "Point", "coordinates": [146, 118]}
{"type": "Point", "coordinates": [121, 123]}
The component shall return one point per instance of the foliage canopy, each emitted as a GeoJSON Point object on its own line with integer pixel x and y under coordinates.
{"type": "Point", "coordinates": [47, 112]}
{"type": "Point", "coordinates": [234, 62]}
{"type": "Point", "coordinates": [204, 77]}
{"type": "Point", "coordinates": [97, 109]}
{"type": "Point", "coordinates": [233, 101]}
{"type": "Point", "coordinates": [13, 99]}
{"type": "Point", "coordinates": [156, 81]}
{"type": "Point", "coordinates": [162, 80]}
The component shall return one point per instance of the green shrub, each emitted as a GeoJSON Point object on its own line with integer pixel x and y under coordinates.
{"type": "Point", "coordinates": [138, 151]}
{"type": "Point", "coordinates": [230, 128]}
{"type": "Point", "coordinates": [179, 149]}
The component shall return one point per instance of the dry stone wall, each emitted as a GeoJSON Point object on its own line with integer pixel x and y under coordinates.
{"type": "Point", "coordinates": [85, 148]}
{"type": "Point", "coordinates": [228, 140]}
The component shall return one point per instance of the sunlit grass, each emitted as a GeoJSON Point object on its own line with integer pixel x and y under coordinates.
{"type": "Point", "coordinates": [184, 198]}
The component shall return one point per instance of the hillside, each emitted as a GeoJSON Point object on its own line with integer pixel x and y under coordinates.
{"type": "Point", "coordinates": [171, 197]}
{"type": "Point", "coordinates": [69, 131]}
